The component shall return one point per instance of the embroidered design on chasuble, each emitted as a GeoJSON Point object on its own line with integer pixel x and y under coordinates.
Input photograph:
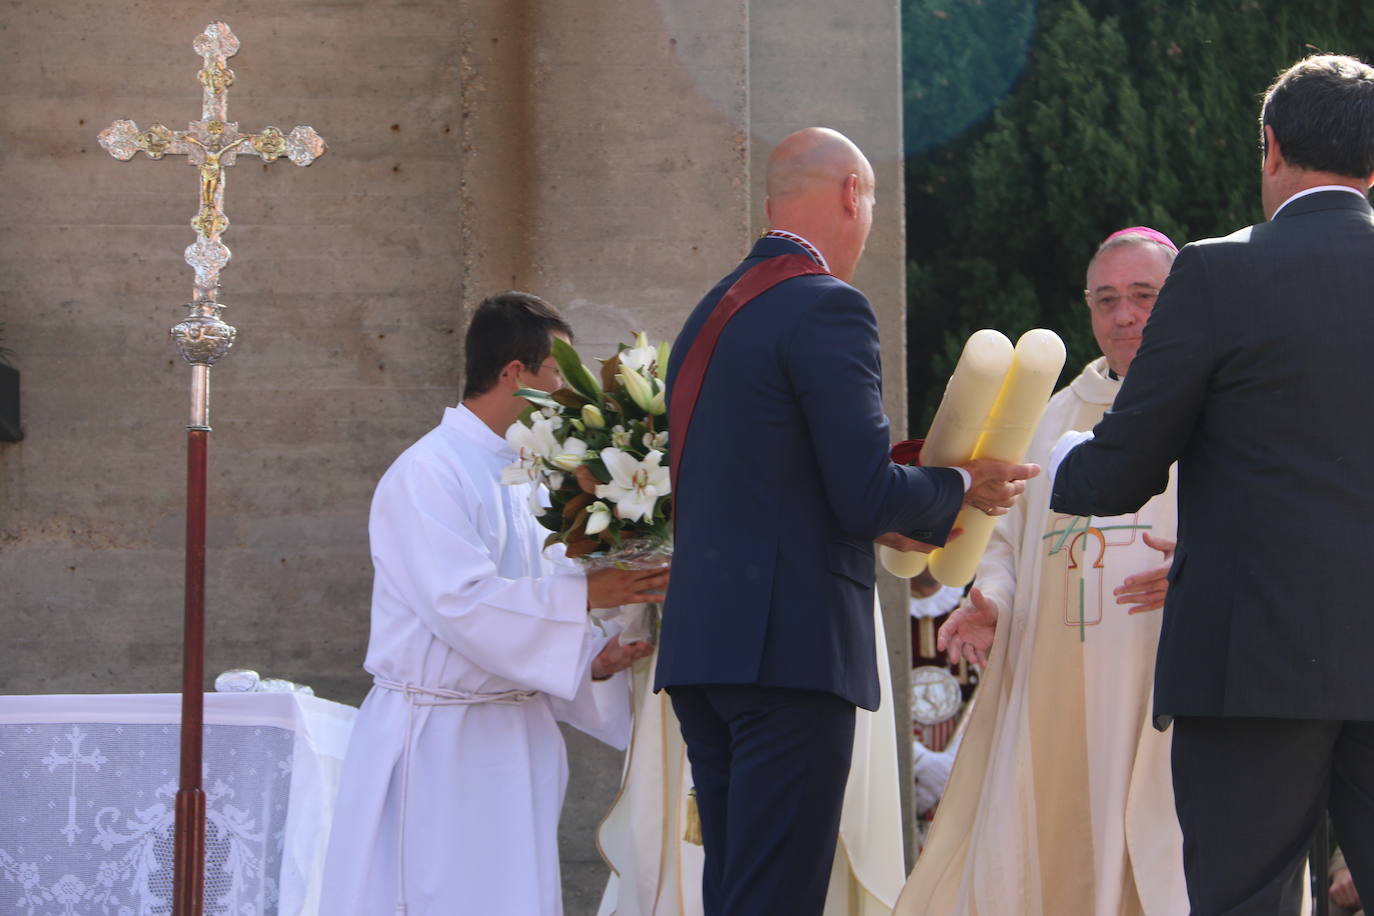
{"type": "Point", "coordinates": [1076, 551]}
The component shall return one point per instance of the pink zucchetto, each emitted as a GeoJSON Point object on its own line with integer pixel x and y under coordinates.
{"type": "Point", "coordinates": [1152, 234]}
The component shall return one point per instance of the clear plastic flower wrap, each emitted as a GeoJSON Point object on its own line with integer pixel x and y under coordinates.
{"type": "Point", "coordinates": [638, 622]}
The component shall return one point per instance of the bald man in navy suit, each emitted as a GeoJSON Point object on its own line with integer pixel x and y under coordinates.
{"type": "Point", "coordinates": [783, 483]}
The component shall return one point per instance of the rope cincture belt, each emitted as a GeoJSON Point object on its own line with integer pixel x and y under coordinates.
{"type": "Point", "coordinates": [433, 696]}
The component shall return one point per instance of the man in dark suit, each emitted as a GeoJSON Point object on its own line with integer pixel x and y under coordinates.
{"type": "Point", "coordinates": [783, 482]}
{"type": "Point", "coordinates": [1254, 374]}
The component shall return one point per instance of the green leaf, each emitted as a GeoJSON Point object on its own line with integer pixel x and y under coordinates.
{"type": "Point", "coordinates": [626, 407]}
{"type": "Point", "coordinates": [552, 519]}
{"type": "Point", "coordinates": [598, 469]}
{"type": "Point", "coordinates": [538, 398]}
{"type": "Point", "coordinates": [574, 373]}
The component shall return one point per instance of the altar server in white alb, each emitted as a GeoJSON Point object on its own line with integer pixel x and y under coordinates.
{"type": "Point", "coordinates": [1060, 800]}
{"type": "Point", "coordinates": [456, 769]}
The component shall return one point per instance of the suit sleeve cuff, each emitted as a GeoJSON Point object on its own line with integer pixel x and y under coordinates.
{"type": "Point", "coordinates": [1067, 443]}
{"type": "Point", "coordinates": [946, 509]}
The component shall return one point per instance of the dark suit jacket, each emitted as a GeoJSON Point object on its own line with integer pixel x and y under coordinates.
{"type": "Point", "coordinates": [1256, 373]}
{"type": "Point", "coordinates": [784, 484]}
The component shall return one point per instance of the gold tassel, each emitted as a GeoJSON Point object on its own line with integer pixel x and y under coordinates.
{"type": "Point", "coordinates": [691, 833]}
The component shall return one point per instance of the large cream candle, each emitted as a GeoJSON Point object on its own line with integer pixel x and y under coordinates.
{"type": "Point", "coordinates": [959, 421]}
{"type": "Point", "coordinates": [1035, 367]}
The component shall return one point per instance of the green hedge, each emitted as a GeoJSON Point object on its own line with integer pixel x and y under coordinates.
{"type": "Point", "coordinates": [1033, 130]}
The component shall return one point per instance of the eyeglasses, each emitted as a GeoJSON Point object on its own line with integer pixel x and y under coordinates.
{"type": "Point", "coordinates": [546, 364]}
{"type": "Point", "coordinates": [1105, 303]}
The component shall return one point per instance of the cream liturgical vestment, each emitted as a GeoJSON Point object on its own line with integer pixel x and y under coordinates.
{"type": "Point", "coordinates": [456, 769]}
{"type": "Point", "coordinates": [1060, 800]}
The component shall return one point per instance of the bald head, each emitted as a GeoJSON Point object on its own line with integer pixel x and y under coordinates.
{"type": "Point", "coordinates": [820, 186]}
{"type": "Point", "coordinates": [813, 158]}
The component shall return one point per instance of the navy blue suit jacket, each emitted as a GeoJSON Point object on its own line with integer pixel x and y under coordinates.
{"type": "Point", "coordinates": [784, 483]}
{"type": "Point", "coordinates": [1254, 374]}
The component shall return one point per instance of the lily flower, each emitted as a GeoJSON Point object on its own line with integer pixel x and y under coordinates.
{"type": "Point", "coordinates": [573, 453]}
{"type": "Point", "coordinates": [533, 445]}
{"type": "Point", "coordinates": [661, 364]}
{"type": "Point", "coordinates": [641, 357]}
{"type": "Point", "coordinates": [635, 485]}
{"type": "Point", "coordinates": [620, 436]}
{"type": "Point", "coordinates": [598, 518]}
{"type": "Point", "coordinates": [637, 386]}
{"type": "Point", "coordinates": [592, 417]}
{"type": "Point", "coordinates": [659, 404]}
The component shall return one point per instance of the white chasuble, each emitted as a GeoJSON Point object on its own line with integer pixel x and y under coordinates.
{"type": "Point", "coordinates": [654, 872]}
{"type": "Point", "coordinates": [1061, 800]}
{"type": "Point", "coordinates": [456, 769]}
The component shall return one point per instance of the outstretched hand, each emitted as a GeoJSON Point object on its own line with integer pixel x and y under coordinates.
{"type": "Point", "coordinates": [996, 484]}
{"type": "Point", "coordinates": [617, 656]}
{"type": "Point", "coordinates": [1343, 889]}
{"type": "Point", "coordinates": [614, 587]}
{"type": "Point", "coordinates": [969, 631]}
{"type": "Point", "coordinates": [1146, 590]}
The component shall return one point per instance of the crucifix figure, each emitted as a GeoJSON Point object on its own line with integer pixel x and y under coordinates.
{"type": "Point", "coordinates": [202, 338]}
{"type": "Point", "coordinates": [211, 144]}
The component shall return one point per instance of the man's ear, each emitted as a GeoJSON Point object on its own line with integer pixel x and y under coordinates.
{"type": "Point", "coordinates": [850, 196]}
{"type": "Point", "coordinates": [1273, 156]}
{"type": "Point", "coordinates": [510, 374]}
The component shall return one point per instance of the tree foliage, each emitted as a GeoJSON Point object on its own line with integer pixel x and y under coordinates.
{"type": "Point", "coordinates": [1077, 118]}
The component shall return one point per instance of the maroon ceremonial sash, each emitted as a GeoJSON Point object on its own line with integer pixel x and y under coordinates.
{"type": "Point", "coordinates": [692, 373]}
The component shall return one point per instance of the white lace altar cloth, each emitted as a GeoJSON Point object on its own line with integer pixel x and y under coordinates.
{"type": "Point", "coordinates": [87, 792]}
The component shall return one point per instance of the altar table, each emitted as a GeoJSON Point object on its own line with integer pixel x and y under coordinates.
{"type": "Point", "coordinates": [87, 789]}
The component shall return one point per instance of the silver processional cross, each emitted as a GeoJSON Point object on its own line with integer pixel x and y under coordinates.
{"type": "Point", "coordinates": [211, 145]}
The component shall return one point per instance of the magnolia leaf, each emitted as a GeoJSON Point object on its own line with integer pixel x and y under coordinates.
{"type": "Point", "coordinates": [568, 398]}
{"type": "Point", "coordinates": [576, 541]}
{"type": "Point", "coordinates": [573, 372]}
{"type": "Point", "coordinates": [578, 504]}
{"type": "Point", "coordinates": [609, 369]}
{"type": "Point", "coordinates": [585, 480]}
{"type": "Point", "coordinates": [580, 547]}
{"type": "Point", "coordinates": [537, 397]}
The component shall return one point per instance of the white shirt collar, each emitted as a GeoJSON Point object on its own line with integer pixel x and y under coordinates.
{"type": "Point", "coordinates": [1324, 187]}
{"type": "Point", "coordinates": [470, 426]}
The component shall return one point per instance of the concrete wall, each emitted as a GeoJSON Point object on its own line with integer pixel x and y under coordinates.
{"type": "Point", "coordinates": [839, 65]}
{"type": "Point", "coordinates": [602, 153]}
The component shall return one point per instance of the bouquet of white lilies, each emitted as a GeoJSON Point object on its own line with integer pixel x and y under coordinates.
{"type": "Point", "coordinates": [601, 449]}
